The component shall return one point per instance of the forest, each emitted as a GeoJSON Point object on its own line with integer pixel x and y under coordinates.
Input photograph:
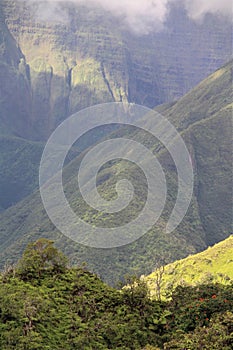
{"type": "Point", "coordinates": [46, 304]}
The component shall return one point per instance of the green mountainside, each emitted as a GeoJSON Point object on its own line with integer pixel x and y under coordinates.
{"type": "Point", "coordinates": [45, 304]}
{"type": "Point", "coordinates": [19, 161]}
{"type": "Point", "coordinates": [91, 57]}
{"type": "Point", "coordinates": [19, 164]}
{"type": "Point", "coordinates": [209, 219]}
{"type": "Point", "coordinates": [214, 265]}
{"type": "Point", "coordinates": [50, 69]}
{"type": "Point", "coordinates": [206, 115]}
{"type": "Point", "coordinates": [53, 69]}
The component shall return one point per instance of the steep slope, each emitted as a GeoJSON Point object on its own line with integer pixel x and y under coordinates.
{"type": "Point", "coordinates": [91, 57]}
{"type": "Point", "coordinates": [208, 220]}
{"type": "Point", "coordinates": [19, 159]}
{"type": "Point", "coordinates": [19, 162]}
{"type": "Point", "coordinates": [206, 114]}
{"type": "Point", "coordinates": [15, 95]}
{"type": "Point", "coordinates": [214, 265]}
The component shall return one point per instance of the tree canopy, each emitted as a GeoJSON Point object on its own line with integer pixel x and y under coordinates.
{"type": "Point", "coordinates": [45, 304]}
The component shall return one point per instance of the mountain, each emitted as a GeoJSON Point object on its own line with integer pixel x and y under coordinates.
{"type": "Point", "coordinates": [206, 127]}
{"type": "Point", "coordinates": [51, 67]}
{"type": "Point", "coordinates": [214, 265]}
{"type": "Point", "coordinates": [54, 67]}
{"type": "Point", "coordinates": [91, 56]}
{"type": "Point", "coordinates": [19, 161]}
{"type": "Point", "coordinates": [19, 158]}
{"type": "Point", "coordinates": [15, 90]}
{"type": "Point", "coordinates": [206, 115]}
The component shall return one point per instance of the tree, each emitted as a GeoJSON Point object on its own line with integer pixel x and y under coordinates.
{"type": "Point", "coordinates": [40, 257]}
{"type": "Point", "coordinates": [159, 272]}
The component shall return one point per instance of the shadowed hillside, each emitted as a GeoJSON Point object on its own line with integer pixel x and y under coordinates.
{"type": "Point", "coordinates": [15, 90]}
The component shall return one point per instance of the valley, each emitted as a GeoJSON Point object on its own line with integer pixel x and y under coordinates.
{"type": "Point", "coordinates": [166, 290]}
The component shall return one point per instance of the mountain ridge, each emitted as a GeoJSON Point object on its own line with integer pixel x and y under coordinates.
{"type": "Point", "coordinates": [210, 154]}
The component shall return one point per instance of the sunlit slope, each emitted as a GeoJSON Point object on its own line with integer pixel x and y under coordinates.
{"type": "Point", "coordinates": [214, 265]}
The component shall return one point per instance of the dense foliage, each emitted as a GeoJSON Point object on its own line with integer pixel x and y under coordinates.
{"type": "Point", "coordinates": [45, 304]}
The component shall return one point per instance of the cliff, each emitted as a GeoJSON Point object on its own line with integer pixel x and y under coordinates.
{"type": "Point", "coordinates": [90, 57]}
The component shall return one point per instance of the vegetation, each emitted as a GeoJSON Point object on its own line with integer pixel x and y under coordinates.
{"type": "Point", "coordinates": [214, 265]}
{"type": "Point", "coordinates": [18, 157]}
{"type": "Point", "coordinates": [44, 304]}
{"type": "Point", "coordinates": [50, 70]}
{"type": "Point", "coordinates": [208, 220]}
{"type": "Point", "coordinates": [90, 59]}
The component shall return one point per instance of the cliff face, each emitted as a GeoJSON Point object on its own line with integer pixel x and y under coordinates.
{"type": "Point", "coordinates": [91, 58]}
{"type": "Point", "coordinates": [15, 94]}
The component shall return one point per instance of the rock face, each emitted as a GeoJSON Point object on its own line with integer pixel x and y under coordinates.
{"type": "Point", "coordinates": [91, 57]}
{"type": "Point", "coordinates": [15, 89]}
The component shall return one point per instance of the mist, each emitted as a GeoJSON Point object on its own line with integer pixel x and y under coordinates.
{"type": "Point", "coordinates": [197, 9]}
{"type": "Point", "coordinates": [142, 16]}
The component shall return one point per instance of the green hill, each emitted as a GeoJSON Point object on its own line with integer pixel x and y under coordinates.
{"type": "Point", "coordinates": [209, 217]}
{"type": "Point", "coordinates": [214, 265]}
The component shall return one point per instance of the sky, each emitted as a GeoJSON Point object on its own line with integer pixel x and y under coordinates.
{"type": "Point", "coordinates": [144, 16]}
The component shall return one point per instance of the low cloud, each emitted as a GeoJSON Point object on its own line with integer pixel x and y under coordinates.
{"type": "Point", "coordinates": [142, 16]}
{"type": "Point", "coordinates": [197, 9]}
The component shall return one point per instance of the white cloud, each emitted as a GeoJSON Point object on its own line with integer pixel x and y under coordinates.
{"type": "Point", "coordinates": [144, 16]}
{"type": "Point", "coordinates": [197, 9]}
{"type": "Point", "coordinates": [141, 15]}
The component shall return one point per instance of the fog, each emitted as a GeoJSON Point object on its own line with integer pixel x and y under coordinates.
{"type": "Point", "coordinates": [142, 16]}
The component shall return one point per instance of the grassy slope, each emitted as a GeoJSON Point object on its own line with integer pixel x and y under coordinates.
{"type": "Point", "coordinates": [214, 265]}
{"type": "Point", "coordinates": [212, 164]}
